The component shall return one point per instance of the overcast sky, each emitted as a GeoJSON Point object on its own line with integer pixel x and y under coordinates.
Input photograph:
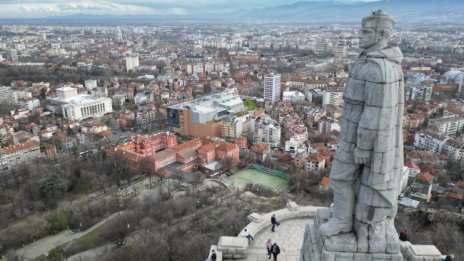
{"type": "Point", "coordinates": [45, 8]}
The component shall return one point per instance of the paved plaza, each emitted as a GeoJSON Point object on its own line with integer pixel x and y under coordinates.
{"type": "Point", "coordinates": [289, 236]}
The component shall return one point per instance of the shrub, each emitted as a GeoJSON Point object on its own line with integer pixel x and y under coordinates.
{"type": "Point", "coordinates": [57, 223]}
{"type": "Point", "coordinates": [23, 232]}
{"type": "Point", "coordinates": [55, 255]}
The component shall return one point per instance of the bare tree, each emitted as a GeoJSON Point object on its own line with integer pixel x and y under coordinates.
{"type": "Point", "coordinates": [227, 164]}
{"type": "Point", "coordinates": [147, 165]}
{"type": "Point", "coordinates": [122, 170]}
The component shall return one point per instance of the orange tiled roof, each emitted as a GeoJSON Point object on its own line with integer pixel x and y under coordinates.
{"type": "Point", "coordinates": [460, 184]}
{"type": "Point", "coordinates": [22, 146]}
{"type": "Point", "coordinates": [226, 146]}
{"type": "Point", "coordinates": [325, 181]}
{"type": "Point", "coordinates": [456, 196]}
{"type": "Point", "coordinates": [314, 158]}
{"type": "Point", "coordinates": [426, 177]}
{"type": "Point", "coordinates": [106, 133]}
{"type": "Point", "coordinates": [260, 147]}
{"type": "Point", "coordinates": [208, 147]}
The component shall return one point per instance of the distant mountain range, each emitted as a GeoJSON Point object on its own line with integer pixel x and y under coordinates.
{"type": "Point", "coordinates": [406, 12]}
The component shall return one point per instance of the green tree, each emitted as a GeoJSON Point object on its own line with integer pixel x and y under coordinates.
{"type": "Point", "coordinates": [52, 189]}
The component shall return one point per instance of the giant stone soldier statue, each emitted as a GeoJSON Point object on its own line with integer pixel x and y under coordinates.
{"type": "Point", "coordinates": [366, 171]}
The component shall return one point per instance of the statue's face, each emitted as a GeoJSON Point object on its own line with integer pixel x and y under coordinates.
{"type": "Point", "coordinates": [367, 37]}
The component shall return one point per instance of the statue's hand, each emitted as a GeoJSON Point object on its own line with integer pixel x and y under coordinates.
{"type": "Point", "coordinates": [362, 156]}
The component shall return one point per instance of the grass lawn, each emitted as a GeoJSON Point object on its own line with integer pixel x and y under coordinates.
{"type": "Point", "coordinates": [91, 235]}
{"type": "Point", "coordinates": [251, 176]}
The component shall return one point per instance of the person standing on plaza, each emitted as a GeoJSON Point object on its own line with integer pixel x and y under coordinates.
{"type": "Point", "coordinates": [213, 255]}
{"type": "Point", "coordinates": [269, 247]}
{"type": "Point", "coordinates": [274, 222]}
{"type": "Point", "coordinates": [275, 250]}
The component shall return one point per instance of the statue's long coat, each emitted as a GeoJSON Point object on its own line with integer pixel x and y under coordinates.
{"type": "Point", "coordinates": [372, 124]}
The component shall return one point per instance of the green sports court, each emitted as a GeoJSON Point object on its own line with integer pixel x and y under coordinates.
{"type": "Point", "coordinates": [252, 176]}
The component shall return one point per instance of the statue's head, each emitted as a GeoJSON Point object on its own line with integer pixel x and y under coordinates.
{"type": "Point", "coordinates": [376, 29]}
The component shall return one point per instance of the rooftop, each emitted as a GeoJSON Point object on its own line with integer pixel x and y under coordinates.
{"type": "Point", "coordinates": [19, 147]}
{"type": "Point", "coordinates": [66, 88]}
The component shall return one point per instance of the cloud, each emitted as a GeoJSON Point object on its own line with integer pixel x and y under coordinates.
{"type": "Point", "coordinates": [44, 8]}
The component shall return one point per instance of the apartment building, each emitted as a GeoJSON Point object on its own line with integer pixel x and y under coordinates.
{"type": "Point", "coordinates": [266, 130]}
{"type": "Point", "coordinates": [448, 126]}
{"type": "Point", "coordinates": [19, 153]}
{"type": "Point", "coordinates": [272, 87]}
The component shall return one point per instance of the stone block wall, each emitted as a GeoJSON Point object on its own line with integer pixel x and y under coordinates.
{"type": "Point", "coordinates": [232, 247]}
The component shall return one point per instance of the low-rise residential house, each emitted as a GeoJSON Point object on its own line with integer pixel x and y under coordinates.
{"type": "Point", "coordinates": [426, 157]}
{"type": "Point", "coordinates": [28, 103]}
{"type": "Point", "coordinates": [94, 128]}
{"type": "Point", "coordinates": [20, 114]}
{"type": "Point", "coordinates": [414, 169]}
{"type": "Point", "coordinates": [456, 199]}
{"type": "Point", "coordinates": [23, 136]}
{"type": "Point", "coordinates": [242, 142]}
{"type": "Point", "coordinates": [422, 187]}
{"type": "Point", "coordinates": [46, 134]}
{"type": "Point", "coordinates": [314, 162]}
{"type": "Point", "coordinates": [144, 97]}
{"type": "Point", "coordinates": [261, 151]}
{"type": "Point", "coordinates": [298, 161]}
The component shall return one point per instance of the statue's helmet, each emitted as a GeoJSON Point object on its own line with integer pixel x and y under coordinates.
{"type": "Point", "coordinates": [378, 19]}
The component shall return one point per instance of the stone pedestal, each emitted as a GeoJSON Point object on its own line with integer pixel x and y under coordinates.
{"type": "Point", "coordinates": [317, 248]}
{"type": "Point", "coordinates": [233, 247]}
{"type": "Point", "coordinates": [420, 252]}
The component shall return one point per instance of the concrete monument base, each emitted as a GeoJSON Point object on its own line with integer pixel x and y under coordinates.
{"type": "Point", "coordinates": [317, 248]}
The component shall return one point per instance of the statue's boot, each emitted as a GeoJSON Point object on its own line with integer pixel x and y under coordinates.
{"type": "Point", "coordinates": [362, 235]}
{"type": "Point", "coordinates": [376, 239]}
{"type": "Point", "coordinates": [342, 215]}
{"type": "Point", "coordinates": [392, 238]}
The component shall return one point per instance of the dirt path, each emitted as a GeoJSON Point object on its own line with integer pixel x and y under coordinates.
{"type": "Point", "coordinates": [44, 245]}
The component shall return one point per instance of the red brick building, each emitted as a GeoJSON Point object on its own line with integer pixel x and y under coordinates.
{"type": "Point", "coordinates": [141, 147]}
{"type": "Point", "coordinates": [161, 153]}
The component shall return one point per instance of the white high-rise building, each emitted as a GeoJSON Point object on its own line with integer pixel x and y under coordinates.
{"type": "Point", "coordinates": [118, 34]}
{"type": "Point", "coordinates": [461, 88]}
{"type": "Point", "coordinates": [272, 87]}
{"type": "Point", "coordinates": [132, 62]}
{"type": "Point", "coordinates": [12, 54]}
